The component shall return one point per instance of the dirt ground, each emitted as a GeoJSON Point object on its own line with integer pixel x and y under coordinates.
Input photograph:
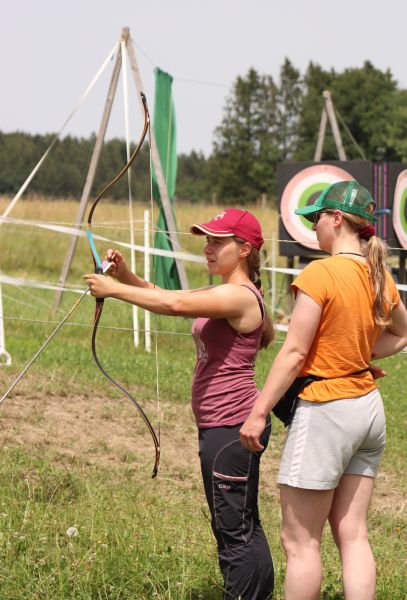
{"type": "Point", "coordinates": [108, 432]}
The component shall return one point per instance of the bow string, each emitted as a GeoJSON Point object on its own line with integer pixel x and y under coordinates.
{"type": "Point", "coordinates": [100, 301]}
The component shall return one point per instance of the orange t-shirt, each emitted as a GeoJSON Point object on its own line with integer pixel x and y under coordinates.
{"type": "Point", "coordinates": [346, 334]}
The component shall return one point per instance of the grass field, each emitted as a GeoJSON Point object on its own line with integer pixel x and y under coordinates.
{"type": "Point", "coordinates": [80, 516]}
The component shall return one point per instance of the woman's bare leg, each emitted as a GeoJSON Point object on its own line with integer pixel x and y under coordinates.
{"type": "Point", "coordinates": [348, 520]}
{"type": "Point", "coordinates": [304, 515]}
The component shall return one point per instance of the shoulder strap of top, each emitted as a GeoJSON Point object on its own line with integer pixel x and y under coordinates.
{"type": "Point", "coordinates": [258, 296]}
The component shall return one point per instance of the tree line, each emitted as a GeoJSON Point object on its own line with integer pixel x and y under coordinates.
{"type": "Point", "coordinates": [265, 122]}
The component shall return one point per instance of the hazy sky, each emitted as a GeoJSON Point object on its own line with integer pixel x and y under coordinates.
{"type": "Point", "coordinates": [51, 49]}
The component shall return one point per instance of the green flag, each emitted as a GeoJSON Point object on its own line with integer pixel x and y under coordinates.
{"type": "Point", "coordinates": [165, 269]}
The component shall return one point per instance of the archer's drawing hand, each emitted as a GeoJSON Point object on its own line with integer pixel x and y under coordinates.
{"type": "Point", "coordinates": [100, 286]}
{"type": "Point", "coordinates": [251, 431]}
{"type": "Point", "coordinates": [118, 268]}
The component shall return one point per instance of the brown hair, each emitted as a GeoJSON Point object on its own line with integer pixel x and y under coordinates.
{"type": "Point", "coordinates": [376, 253]}
{"type": "Point", "coordinates": [253, 264]}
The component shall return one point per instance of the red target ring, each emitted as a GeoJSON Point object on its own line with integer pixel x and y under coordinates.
{"type": "Point", "coordinates": [400, 209]}
{"type": "Point", "coordinates": [302, 190]}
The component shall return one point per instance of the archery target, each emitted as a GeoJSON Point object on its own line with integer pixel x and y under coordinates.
{"type": "Point", "coordinates": [303, 189]}
{"type": "Point", "coordinates": [400, 209]}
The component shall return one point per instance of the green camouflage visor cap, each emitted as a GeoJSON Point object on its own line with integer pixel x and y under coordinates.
{"type": "Point", "coordinates": [347, 196]}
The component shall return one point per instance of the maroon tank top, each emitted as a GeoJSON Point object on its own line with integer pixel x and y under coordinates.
{"type": "Point", "coordinates": [223, 386]}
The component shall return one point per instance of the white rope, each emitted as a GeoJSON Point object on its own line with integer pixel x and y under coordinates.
{"type": "Point", "coordinates": [152, 243]}
{"type": "Point", "coordinates": [50, 286]}
{"type": "Point", "coordinates": [97, 225]}
{"type": "Point", "coordinates": [287, 271]}
{"type": "Point", "coordinates": [37, 300]}
{"type": "Point", "coordinates": [19, 282]}
{"type": "Point", "coordinates": [64, 227]}
{"type": "Point", "coordinates": [58, 135]}
{"type": "Point", "coordinates": [74, 231]}
{"type": "Point", "coordinates": [90, 325]}
{"type": "Point", "coordinates": [18, 301]}
{"type": "Point", "coordinates": [279, 327]}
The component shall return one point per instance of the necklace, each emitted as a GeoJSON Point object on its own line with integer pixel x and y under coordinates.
{"type": "Point", "coordinates": [353, 253]}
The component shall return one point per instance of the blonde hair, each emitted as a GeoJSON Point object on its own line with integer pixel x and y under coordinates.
{"type": "Point", "coordinates": [376, 253]}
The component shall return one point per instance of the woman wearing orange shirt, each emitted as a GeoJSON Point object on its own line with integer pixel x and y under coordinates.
{"type": "Point", "coordinates": [347, 312]}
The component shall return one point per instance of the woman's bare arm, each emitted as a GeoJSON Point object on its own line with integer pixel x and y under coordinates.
{"type": "Point", "coordinates": [394, 337]}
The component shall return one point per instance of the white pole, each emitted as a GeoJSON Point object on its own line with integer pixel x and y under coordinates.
{"type": "Point", "coordinates": [273, 273]}
{"type": "Point", "coordinates": [136, 330]}
{"type": "Point", "coordinates": [147, 315]}
{"type": "Point", "coordinates": [3, 351]}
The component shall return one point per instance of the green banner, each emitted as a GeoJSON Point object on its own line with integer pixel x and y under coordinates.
{"type": "Point", "coordinates": [165, 269]}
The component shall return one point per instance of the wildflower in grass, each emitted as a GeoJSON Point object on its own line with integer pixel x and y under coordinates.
{"type": "Point", "coordinates": [72, 532]}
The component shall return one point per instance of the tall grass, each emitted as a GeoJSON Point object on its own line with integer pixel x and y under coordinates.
{"type": "Point", "coordinates": [80, 517]}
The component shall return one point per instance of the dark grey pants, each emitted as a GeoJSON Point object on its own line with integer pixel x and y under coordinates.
{"type": "Point", "coordinates": [231, 479]}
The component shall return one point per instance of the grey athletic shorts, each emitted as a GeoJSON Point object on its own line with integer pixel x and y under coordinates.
{"type": "Point", "coordinates": [328, 439]}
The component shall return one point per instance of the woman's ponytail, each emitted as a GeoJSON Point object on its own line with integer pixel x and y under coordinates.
{"type": "Point", "coordinates": [268, 333]}
{"type": "Point", "coordinates": [376, 254]}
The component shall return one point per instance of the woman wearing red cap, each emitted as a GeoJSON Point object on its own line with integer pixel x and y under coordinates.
{"type": "Point", "coordinates": [347, 312]}
{"type": "Point", "coordinates": [230, 326]}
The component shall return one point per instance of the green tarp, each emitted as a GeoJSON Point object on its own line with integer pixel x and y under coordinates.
{"type": "Point", "coordinates": [165, 269]}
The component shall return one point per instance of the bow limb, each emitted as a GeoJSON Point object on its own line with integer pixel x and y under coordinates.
{"type": "Point", "coordinates": [100, 301]}
{"type": "Point", "coordinates": [95, 255]}
{"type": "Point", "coordinates": [146, 420]}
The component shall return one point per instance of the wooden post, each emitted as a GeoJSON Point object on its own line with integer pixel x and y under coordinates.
{"type": "Point", "coordinates": [334, 124]}
{"type": "Point", "coordinates": [328, 112]}
{"type": "Point", "coordinates": [125, 36]}
{"type": "Point", "coordinates": [90, 177]}
{"type": "Point", "coordinates": [157, 167]}
{"type": "Point", "coordinates": [321, 135]}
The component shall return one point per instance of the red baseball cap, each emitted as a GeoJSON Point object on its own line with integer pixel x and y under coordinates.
{"type": "Point", "coordinates": [232, 222]}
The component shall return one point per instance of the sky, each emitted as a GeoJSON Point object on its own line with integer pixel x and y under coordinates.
{"type": "Point", "coordinates": [52, 49]}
